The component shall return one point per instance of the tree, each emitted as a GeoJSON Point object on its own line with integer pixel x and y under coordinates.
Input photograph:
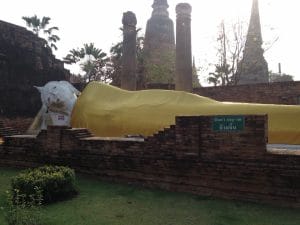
{"type": "Point", "coordinates": [37, 25]}
{"type": "Point", "coordinates": [229, 52]}
{"type": "Point", "coordinates": [115, 63]}
{"type": "Point", "coordinates": [160, 67]}
{"type": "Point", "coordinates": [278, 77]}
{"type": "Point", "coordinates": [221, 76]}
{"type": "Point", "coordinates": [92, 62]}
{"type": "Point", "coordinates": [196, 82]}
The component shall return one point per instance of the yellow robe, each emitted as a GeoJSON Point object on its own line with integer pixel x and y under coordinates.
{"type": "Point", "coordinates": [108, 111]}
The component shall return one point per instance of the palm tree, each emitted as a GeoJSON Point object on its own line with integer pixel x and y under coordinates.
{"type": "Point", "coordinates": [52, 38]}
{"type": "Point", "coordinates": [92, 61]}
{"type": "Point", "coordinates": [37, 25]}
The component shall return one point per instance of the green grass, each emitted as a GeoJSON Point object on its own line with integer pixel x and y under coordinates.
{"type": "Point", "coordinates": [101, 203]}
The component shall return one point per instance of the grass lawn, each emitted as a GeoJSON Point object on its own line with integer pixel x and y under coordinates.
{"type": "Point", "coordinates": [101, 203]}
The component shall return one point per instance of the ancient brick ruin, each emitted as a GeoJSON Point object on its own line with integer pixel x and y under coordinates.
{"type": "Point", "coordinates": [183, 78]}
{"type": "Point", "coordinates": [25, 60]}
{"type": "Point", "coordinates": [159, 45]}
{"type": "Point", "coordinates": [284, 93]}
{"type": "Point", "coordinates": [253, 68]}
{"type": "Point", "coordinates": [129, 58]}
{"type": "Point", "coordinates": [190, 156]}
{"type": "Point", "coordinates": [159, 49]}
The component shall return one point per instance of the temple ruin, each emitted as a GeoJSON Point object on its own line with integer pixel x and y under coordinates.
{"type": "Point", "coordinates": [193, 155]}
{"type": "Point", "coordinates": [25, 61]}
{"type": "Point", "coordinates": [253, 68]}
{"type": "Point", "coordinates": [159, 45]}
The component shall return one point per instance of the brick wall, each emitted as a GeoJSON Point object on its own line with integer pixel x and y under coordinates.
{"type": "Point", "coordinates": [188, 156]}
{"type": "Point", "coordinates": [270, 93]}
{"type": "Point", "coordinates": [19, 124]}
{"type": "Point", "coordinates": [25, 61]}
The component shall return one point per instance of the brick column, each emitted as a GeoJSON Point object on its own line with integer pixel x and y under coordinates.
{"type": "Point", "coordinates": [187, 133]}
{"type": "Point", "coordinates": [184, 81]}
{"type": "Point", "coordinates": [128, 78]}
{"type": "Point", "coordinates": [54, 139]}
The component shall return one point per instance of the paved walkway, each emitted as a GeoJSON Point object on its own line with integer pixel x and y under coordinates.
{"type": "Point", "coordinates": [283, 149]}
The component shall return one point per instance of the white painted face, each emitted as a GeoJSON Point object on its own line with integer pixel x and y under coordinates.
{"type": "Point", "coordinates": [59, 96]}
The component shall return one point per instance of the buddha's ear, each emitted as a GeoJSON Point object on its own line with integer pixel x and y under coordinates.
{"type": "Point", "coordinates": [40, 89]}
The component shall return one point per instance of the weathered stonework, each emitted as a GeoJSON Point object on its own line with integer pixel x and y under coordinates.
{"type": "Point", "coordinates": [159, 48]}
{"type": "Point", "coordinates": [253, 68]}
{"type": "Point", "coordinates": [25, 60]}
{"type": "Point", "coordinates": [17, 125]}
{"type": "Point", "coordinates": [184, 76]}
{"type": "Point", "coordinates": [188, 157]}
{"type": "Point", "coordinates": [129, 57]}
{"type": "Point", "coordinates": [286, 93]}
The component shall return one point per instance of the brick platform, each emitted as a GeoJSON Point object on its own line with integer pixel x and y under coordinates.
{"type": "Point", "coordinates": [188, 157]}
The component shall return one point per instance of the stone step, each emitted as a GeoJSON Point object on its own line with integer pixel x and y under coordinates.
{"type": "Point", "coordinates": [165, 133]}
{"type": "Point", "coordinates": [7, 131]}
{"type": "Point", "coordinates": [81, 133]}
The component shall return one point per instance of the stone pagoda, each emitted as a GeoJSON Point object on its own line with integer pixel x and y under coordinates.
{"type": "Point", "coordinates": [159, 46]}
{"type": "Point", "coordinates": [253, 68]}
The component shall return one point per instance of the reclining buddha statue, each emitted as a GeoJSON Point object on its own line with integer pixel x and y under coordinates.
{"type": "Point", "coordinates": [109, 111]}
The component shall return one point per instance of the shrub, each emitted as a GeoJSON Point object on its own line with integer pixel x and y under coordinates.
{"type": "Point", "coordinates": [21, 211]}
{"type": "Point", "coordinates": [55, 182]}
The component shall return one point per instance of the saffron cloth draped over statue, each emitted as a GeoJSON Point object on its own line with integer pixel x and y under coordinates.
{"type": "Point", "coordinates": [111, 112]}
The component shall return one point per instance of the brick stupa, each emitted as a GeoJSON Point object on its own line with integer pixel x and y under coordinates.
{"type": "Point", "coordinates": [160, 45]}
{"type": "Point", "coordinates": [253, 68]}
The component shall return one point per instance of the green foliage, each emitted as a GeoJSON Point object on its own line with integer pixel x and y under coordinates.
{"type": "Point", "coordinates": [196, 82]}
{"type": "Point", "coordinates": [23, 211]}
{"type": "Point", "coordinates": [111, 204]}
{"type": "Point", "coordinates": [277, 77]}
{"type": "Point", "coordinates": [222, 75]}
{"type": "Point", "coordinates": [37, 25]}
{"type": "Point", "coordinates": [229, 52]}
{"type": "Point", "coordinates": [92, 61]}
{"type": "Point", "coordinates": [55, 182]}
{"type": "Point", "coordinates": [115, 62]}
{"type": "Point", "coordinates": [163, 70]}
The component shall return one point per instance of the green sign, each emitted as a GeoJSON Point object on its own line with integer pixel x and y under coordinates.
{"type": "Point", "coordinates": [228, 123]}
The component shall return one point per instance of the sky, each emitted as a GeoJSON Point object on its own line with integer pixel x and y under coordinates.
{"type": "Point", "coordinates": [98, 21]}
